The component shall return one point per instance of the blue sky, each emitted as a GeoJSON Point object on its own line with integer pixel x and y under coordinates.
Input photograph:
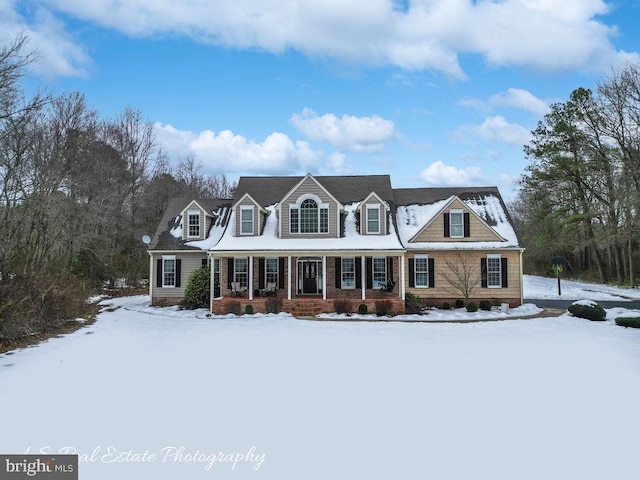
{"type": "Point", "coordinates": [433, 92]}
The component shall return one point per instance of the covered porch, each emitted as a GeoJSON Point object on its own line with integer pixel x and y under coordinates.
{"type": "Point", "coordinates": [306, 283]}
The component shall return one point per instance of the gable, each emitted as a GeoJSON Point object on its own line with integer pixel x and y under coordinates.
{"type": "Point", "coordinates": [434, 230]}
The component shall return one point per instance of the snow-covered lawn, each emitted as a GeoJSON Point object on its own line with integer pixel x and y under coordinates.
{"type": "Point", "coordinates": [153, 393]}
{"type": "Point", "coordinates": [547, 288]}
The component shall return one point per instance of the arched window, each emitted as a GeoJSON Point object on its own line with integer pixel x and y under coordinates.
{"type": "Point", "coordinates": [309, 216]}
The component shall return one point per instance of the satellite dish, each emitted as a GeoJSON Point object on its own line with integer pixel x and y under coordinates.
{"type": "Point", "coordinates": [146, 239]}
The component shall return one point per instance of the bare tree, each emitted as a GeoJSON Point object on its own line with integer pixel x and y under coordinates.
{"type": "Point", "coordinates": [463, 274]}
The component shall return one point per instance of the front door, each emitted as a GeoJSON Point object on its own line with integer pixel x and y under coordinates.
{"type": "Point", "coordinates": [309, 276]}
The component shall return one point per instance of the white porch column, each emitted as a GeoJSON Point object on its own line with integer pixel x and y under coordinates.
{"type": "Point", "coordinates": [363, 276]}
{"type": "Point", "coordinates": [401, 279]}
{"type": "Point", "coordinates": [289, 278]}
{"type": "Point", "coordinates": [250, 286]}
{"type": "Point", "coordinates": [324, 277]}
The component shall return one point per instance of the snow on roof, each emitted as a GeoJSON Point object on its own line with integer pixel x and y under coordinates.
{"type": "Point", "coordinates": [412, 218]}
{"type": "Point", "coordinates": [269, 240]}
{"type": "Point", "coordinates": [176, 230]}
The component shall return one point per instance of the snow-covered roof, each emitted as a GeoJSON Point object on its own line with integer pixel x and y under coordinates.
{"type": "Point", "coordinates": [269, 241]}
{"type": "Point", "coordinates": [412, 218]}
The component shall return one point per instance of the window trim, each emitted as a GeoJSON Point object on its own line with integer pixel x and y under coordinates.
{"type": "Point", "coordinates": [166, 258]}
{"type": "Point", "coordinates": [236, 271]}
{"type": "Point", "coordinates": [377, 208]}
{"type": "Point", "coordinates": [266, 270]}
{"type": "Point", "coordinates": [453, 212]}
{"type": "Point", "coordinates": [343, 271]}
{"type": "Point", "coordinates": [495, 256]}
{"type": "Point", "coordinates": [417, 257]}
{"type": "Point", "coordinates": [193, 213]}
{"type": "Point", "coordinates": [247, 208]}
{"type": "Point", "coordinates": [378, 283]}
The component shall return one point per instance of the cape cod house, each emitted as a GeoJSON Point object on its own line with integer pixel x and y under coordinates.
{"type": "Point", "coordinates": [313, 240]}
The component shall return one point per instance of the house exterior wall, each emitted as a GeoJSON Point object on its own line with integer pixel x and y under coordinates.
{"type": "Point", "coordinates": [185, 222]}
{"type": "Point", "coordinates": [309, 186]}
{"type": "Point", "coordinates": [444, 291]}
{"type": "Point", "coordinates": [189, 261]}
{"type": "Point", "coordinates": [479, 232]}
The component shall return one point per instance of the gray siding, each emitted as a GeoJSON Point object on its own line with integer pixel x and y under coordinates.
{"type": "Point", "coordinates": [189, 263]}
{"type": "Point", "coordinates": [256, 217]}
{"type": "Point", "coordinates": [185, 223]}
{"type": "Point", "coordinates": [363, 216]}
{"type": "Point", "coordinates": [310, 187]}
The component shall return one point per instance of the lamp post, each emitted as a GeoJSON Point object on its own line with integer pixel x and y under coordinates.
{"type": "Point", "coordinates": [559, 262]}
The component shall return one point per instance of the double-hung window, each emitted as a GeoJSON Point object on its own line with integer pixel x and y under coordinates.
{"type": "Point", "coordinates": [421, 273]}
{"type": "Point", "coordinates": [168, 271]}
{"type": "Point", "coordinates": [348, 272]}
{"type": "Point", "coordinates": [271, 271]}
{"type": "Point", "coordinates": [246, 220]}
{"type": "Point", "coordinates": [456, 223]}
{"type": "Point", "coordinates": [193, 224]}
{"type": "Point", "coordinates": [379, 271]}
{"type": "Point", "coordinates": [241, 271]}
{"type": "Point", "coordinates": [494, 271]}
{"type": "Point", "coordinates": [373, 218]}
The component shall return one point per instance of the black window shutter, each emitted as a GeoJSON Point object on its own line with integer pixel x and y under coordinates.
{"type": "Point", "coordinates": [446, 225]}
{"type": "Point", "coordinates": [505, 272]}
{"type": "Point", "coordinates": [467, 225]}
{"type": "Point", "coordinates": [261, 272]}
{"type": "Point", "coordinates": [412, 273]}
{"type": "Point", "coordinates": [358, 272]}
{"type": "Point", "coordinates": [369, 274]}
{"type": "Point", "coordinates": [281, 272]}
{"type": "Point", "coordinates": [159, 273]}
{"type": "Point", "coordinates": [204, 262]}
{"type": "Point", "coordinates": [338, 272]}
{"type": "Point", "coordinates": [178, 271]}
{"type": "Point", "coordinates": [432, 273]}
{"type": "Point", "coordinates": [483, 270]}
{"type": "Point", "coordinates": [229, 272]}
{"type": "Point", "coordinates": [389, 268]}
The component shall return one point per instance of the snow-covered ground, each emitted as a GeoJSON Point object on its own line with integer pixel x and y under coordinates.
{"type": "Point", "coordinates": [157, 393]}
{"type": "Point", "coordinates": [547, 288]}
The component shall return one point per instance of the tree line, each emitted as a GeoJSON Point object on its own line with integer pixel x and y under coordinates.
{"type": "Point", "coordinates": [579, 197]}
{"type": "Point", "coordinates": [77, 193]}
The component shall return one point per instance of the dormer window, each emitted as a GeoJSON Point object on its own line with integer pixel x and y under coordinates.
{"type": "Point", "coordinates": [309, 217]}
{"type": "Point", "coordinates": [246, 220]}
{"type": "Point", "coordinates": [193, 224]}
{"type": "Point", "coordinates": [456, 224]}
{"type": "Point", "coordinates": [373, 219]}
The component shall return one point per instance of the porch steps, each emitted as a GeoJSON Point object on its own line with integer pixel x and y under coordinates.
{"type": "Point", "coordinates": [306, 308]}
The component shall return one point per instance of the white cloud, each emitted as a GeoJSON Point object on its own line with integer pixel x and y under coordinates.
{"type": "Point", "coordinates": [229, 152]}
{"type": "Point", "coordinates": [56, 52]}
{"type": "Point", "coordinates": [336, 162]}
{"type": "Point", "coordinates": [439, 174]}
{"type": "Point", "coordinates": [496, 129]}
{"type": "Point", "coordinates": [520, 99]}
{"type": "Point", "coordinates": [427, 35]}
{"type": "Point", "coordinates": [355, 134]}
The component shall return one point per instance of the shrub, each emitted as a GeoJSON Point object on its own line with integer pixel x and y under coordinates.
{"type": "Point", "coordinates": [587, 309]}
{"type": "Point", "coordinates": [446, 306]}
{"type": "Point", "coordinates": [472, 307]}
{"type": "Point", "coordinates": [233, 306]}
{"type": "Point", "coordinates": [248, 309]}
{"type": "Point", "coordinates": [383, 307]}
{"type": "Point", "coordinates": [633, 322]}
{"type": "Point", "coordinates": [197, 294]}
{"type": "Point", "coordinates": [485, 305]}
{"type": "Point", "coordinates": [273, 305]}
{"type": "Point", "coordinates": [459, 303]}
{"type": "Point", "coordinates": [342, 306]}
{"type": "Point", "coordinates": [363, 309]}
{"type": "Point", "coordinates": [412, 303]}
